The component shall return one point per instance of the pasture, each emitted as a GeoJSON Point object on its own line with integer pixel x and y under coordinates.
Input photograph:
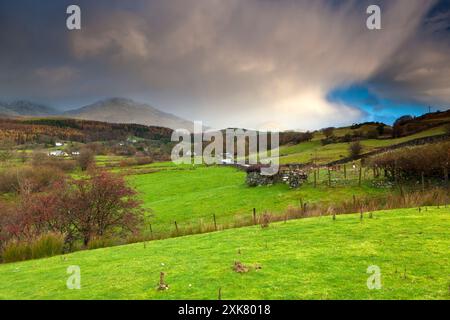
{"type": "Point", "coordinates": [191, 195]}
{"type": "Point", "coordinates": [314, 258]}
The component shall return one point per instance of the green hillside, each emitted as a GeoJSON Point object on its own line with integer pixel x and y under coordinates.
{"type": "Point", "coordinates": [314, 151]}
{"type": "Point", "coordinates": [315, 258]}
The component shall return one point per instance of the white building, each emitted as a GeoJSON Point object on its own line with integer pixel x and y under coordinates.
{"type": "Point", "coordinates": [226, 161]}
{"type": "Point", "coordinates": [57, 153]}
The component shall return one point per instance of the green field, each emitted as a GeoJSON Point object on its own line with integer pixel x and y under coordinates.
{"type": "Point", "coordinates": [191, 195]}
{"type": "Point", "coordinates": [315, 258]}
{"type": "Point", "coordinates": [313, 151]}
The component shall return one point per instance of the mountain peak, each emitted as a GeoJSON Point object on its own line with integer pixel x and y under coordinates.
{"type": "Point", "coordinates": [118, 100]}
{"type": "Point", "coordinates": [125, 110]}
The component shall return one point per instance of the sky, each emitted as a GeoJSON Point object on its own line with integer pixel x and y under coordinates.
{"type": "Point", "coordinates": [263, 64]}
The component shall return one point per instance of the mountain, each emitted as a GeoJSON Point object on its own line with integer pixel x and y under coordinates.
{"type": "Point", "coordinates": [7, 112]}
{"type": "Point", "coordinates": [121, 110]}
{"type": "Point", "coordinates": [25, 108]}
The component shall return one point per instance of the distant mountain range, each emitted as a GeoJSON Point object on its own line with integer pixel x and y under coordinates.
{"type": "Point", "coordinates": [113, 110]}
{"type": "Point", "coordinates": [25, 108]}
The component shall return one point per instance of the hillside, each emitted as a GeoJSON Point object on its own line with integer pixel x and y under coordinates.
{"type": "Point", "coordinates": [31, 130]}
{"type": "Point", "coordinates": [315, 258]}
{"type": "Point", "coordinates": [315, 152]}
{"type": "Point", "coordinates": [120, 110]}
{"type": "Point", "coordinates": [25, 108]}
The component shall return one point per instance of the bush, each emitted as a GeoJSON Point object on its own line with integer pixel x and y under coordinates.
{"type": "Point", "coordinates": [9, 181]}
{"type": "Point", "coordinates": [328, 132]}
{"type": "Point", "coordinates": [144, 160]}
{"type": "Point", "coordinates": [86, 158]}
{"type": "Point", "coordinates": [411, 162]}
{"type": "Point", "coordinates": [100, 242]}
{"type": "Point", "coordinates": [36, 179]}
{"type": "Point", "coordinates": [16, 251]}
{"type": "Point", "coordinates": [46, 245]}
{"type": "Point", "coordinates": [355, 149]}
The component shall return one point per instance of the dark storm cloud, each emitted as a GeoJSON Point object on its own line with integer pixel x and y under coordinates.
{"type": "Point", "coordinates": [229, 63]}
{"type": "Point", "coordinates": [420, 71]}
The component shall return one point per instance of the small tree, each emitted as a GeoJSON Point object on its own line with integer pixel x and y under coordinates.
{"type": "Point", "coordinates": [380, 129]}
{"type": "Point", "coordinates": [80, 209]}
{"type": "Point", "coordinates": [328, 132]}
{"type": "Point", "coordinates": [355, 149]}
{"type": "Point", "coordinates": [102, 204]}
{"type": "Point", "coordinates": [397, 128]}
{"type": "Point", "coordinates": [86, 158]}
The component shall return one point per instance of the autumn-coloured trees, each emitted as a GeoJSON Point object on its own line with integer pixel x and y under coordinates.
{"type": "Point", "coordinates": [101, 205]}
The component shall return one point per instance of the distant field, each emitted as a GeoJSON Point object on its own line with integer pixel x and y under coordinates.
{"type": "Point", "coordinates": [193, 195]}
{"type": "Point", "coordinates": [314, 258]}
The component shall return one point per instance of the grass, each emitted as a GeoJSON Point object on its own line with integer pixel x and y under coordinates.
{"type": "Point", "coordinates": [192, 195]}
{"type": "Point", "coordinates": [315, 258]}
{"type": "Point", "coordinates": [313, 151]}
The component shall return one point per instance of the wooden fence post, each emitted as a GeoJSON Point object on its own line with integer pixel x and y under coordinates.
{"type": "Point", "coordinates": [423, 181]}
{"type": "Point", "coordinates": [176, 227]}
{"type": "Point", "coordinates": [446, 176]}
{"type": "Point", "coordinates": [345, 171]}
{"type": "Point", "coordinates": [360, 173]}
{"type": "Point", "coordinates": [254, 216]}
{"type": "Point", "coordinates": [315, 179]}
{"type": "Point", "coordinates": [151, 232]}
{"type": "Point", "coordinates": [329, 177]}
{"type": "Point", "coordinates": [215, 223]}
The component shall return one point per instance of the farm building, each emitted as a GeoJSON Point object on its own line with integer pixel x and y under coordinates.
{"type": "Point", "coordinates": [57, 153]}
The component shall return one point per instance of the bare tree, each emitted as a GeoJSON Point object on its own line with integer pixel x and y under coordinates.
{"type": "Point", "coordinates": [355, 149]}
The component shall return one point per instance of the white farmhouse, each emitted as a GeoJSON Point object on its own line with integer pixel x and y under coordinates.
{"type": "Point", "coordinates": [57, 153]}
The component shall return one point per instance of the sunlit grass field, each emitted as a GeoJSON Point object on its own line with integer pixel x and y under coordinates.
{"type": "Point", "coordinates": [191, 195]}
{"type": "Point", "coordinates": [314, 258]}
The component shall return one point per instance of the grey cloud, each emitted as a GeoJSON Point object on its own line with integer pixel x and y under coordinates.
{"type": "Point", "coordinates": [235, 63]}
